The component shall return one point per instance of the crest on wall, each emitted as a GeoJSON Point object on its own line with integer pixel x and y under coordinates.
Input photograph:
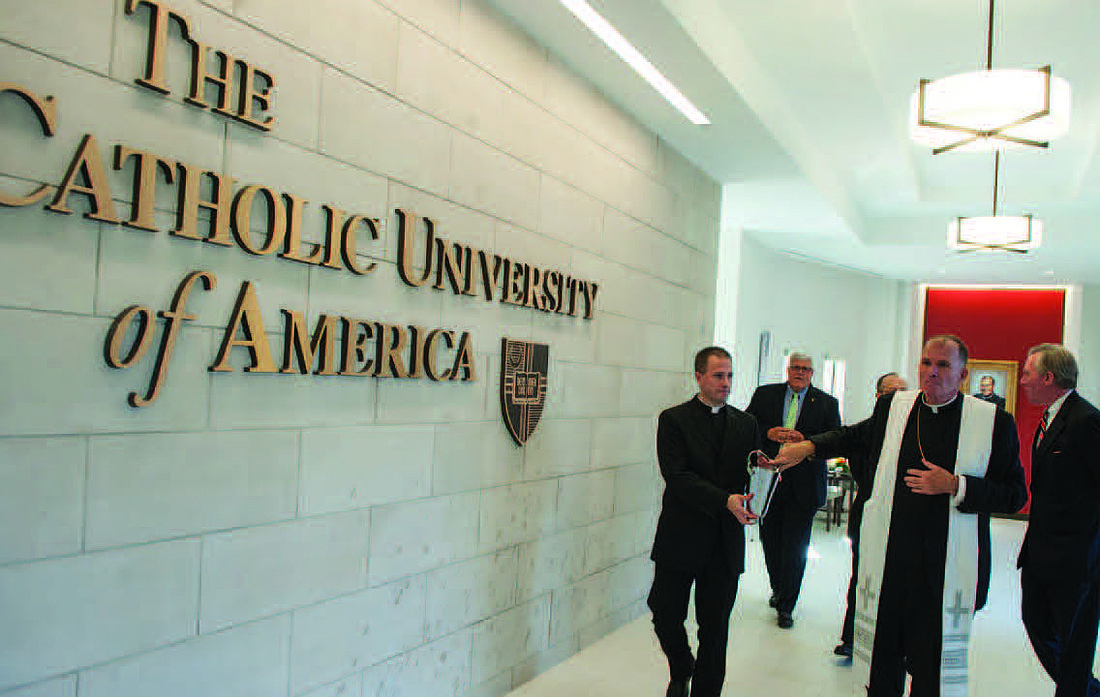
{"type": "Point", "coordinates": [524, 368]}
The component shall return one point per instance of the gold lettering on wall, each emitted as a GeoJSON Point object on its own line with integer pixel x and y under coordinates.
{"type": "Point", "coordinates": [356, 333]}
{"type": "Point", "coordinates": [471, 277]}
{"type": "Point", "coordinates": [399, 351]}
{"type": "Point", "coordinates": [321, 349]}
{"type": "Point", "coordinates": [348, 247]}
{"type": "Point", "coordinates": [416, 350]}
{"type": "Point", "coordinates": [242, 220]}
{"type": "Point", "coordinates": [366, 348]}
{"type": "Point", "coordinates": [112, 350]}
{"type": "Point", "coordinates": [228, 211]}
{"type": "Point", "coordinates": [293, 249]}
{"type": "Point", "coordinates": [449, 258]}
{"type": "Point", "coordinates": [251, 97]}
{"type": "Point", "coordinates": [145, 182]}
{"type": "Point", "coordinates": [390, 343]}
{"type": "Point", "coordinates": [589, 289]}
{"type": "Point", "coordinates": [501, 278]}
{"type": "Point", "coordinates": [173, 321]}
{"type": "Point", "coordinates": [246, 320]}
{"type": "Point", "coordinates": [221, 79]}
{"type": "Point", "coordinates": [159, 17]}
{"type": "Point", "coordinates": [334, 234]}
{"type": "Point", "coordinates": [244, 91]}
{"type": "Point", "coordinates": [219, 205]}
{"type": "Point", "coordinates": [513, 283]}
{"type": "Point", "coordinates": [46, 111]}
{"type": "Point", "coordinates": [409, 352]}
{"type": "Point", "coordinates": [212, 200]}
{"type": "Point", "coordinates": [87, 165]}
{"type": "Point", "coordinates": [490, 278]}
{"type": "Point", "coordinates": [406, 232]}
{"type": "Point", "coordinates": [550, 300]}
{"type": "Point", "coordinates": [431, 353]}
{"type": "Point", "coordinates": [464, 360]}
{"type": "Point", "coordinates": [531, 283]}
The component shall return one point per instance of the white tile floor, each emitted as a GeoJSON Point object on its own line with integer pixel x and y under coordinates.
{"type": "Point", "coordinates": [766, 660]}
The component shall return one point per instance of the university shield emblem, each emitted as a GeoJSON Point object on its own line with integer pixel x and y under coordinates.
{"type": "Point", "coordinates": [523, 374]}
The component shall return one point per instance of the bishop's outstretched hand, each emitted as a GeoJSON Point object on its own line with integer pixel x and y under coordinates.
{"type": "Point", "coordinates": [790, 454]}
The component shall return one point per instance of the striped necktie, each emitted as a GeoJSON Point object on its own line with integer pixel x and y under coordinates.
{"type": "Point", "coordinates": [1043, 427]}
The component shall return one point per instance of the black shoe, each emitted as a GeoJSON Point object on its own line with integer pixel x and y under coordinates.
{"type": "Point", "coordinates": [785, 620]}
{"type": "Point", "coordinates": [843, 649]}
{"type": "Point", "coordinates": [677, 688]}
{"type": "Point", "coordinates": [773, 603]}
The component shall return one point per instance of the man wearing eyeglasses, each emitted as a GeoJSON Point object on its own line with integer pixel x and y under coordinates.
{"type": "Point", "coordinates": [789, 412]}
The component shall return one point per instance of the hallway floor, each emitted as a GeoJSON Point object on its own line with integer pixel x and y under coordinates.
{"type": "Point", "coordinates": [766, 660]}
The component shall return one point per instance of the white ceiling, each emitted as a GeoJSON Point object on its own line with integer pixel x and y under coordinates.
{"type": "Point", "coordinates": [808, 101]}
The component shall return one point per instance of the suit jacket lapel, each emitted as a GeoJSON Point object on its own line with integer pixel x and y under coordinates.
{"type": "Point", "coordinates": [804, 408]}
{"type": "Point", "coordinates": [781, 396]}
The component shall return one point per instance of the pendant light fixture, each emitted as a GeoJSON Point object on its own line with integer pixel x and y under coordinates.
{"type": "Point", "coordinates": [990, 109]}
{"type": "Point", "coordinates": [1007, 233]}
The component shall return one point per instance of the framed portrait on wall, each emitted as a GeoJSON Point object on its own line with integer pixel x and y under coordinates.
{"type": "Point", "coordinates": [993, 381]}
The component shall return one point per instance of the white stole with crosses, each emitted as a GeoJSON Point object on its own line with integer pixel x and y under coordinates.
{"type": "Point", "coordinates": [961, 572]}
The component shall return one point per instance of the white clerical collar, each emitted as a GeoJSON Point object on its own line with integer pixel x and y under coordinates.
{"type": "Point", "coordinates": [713, 410]}
{"type": "Point", "coordinates": [936, 407]}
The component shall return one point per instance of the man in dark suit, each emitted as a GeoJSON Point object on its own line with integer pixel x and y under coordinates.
{"type": "Point", "coordinates": [703, 449]}
{"type": "Point", "coordinates": [789, 412]}
{"type": "Point", "coordinates": [987, 392]}
{"type": "Point", "coordinates": [934, 464]}
{"type": "Point", "coordinates": [1060, 557]}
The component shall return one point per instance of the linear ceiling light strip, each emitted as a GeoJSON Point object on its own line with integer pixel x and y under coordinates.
{"type": "Point", "coordinates": [617, 43]}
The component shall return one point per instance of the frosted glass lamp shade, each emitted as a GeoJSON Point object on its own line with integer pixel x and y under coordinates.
{"type": "Point", "coordinates": [1013, 233]}
{"type": "Point", "coordinates": [990, 109]}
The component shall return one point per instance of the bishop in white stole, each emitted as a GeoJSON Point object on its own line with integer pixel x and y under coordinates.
{"type": "Point", "coordinates": [961, 572]}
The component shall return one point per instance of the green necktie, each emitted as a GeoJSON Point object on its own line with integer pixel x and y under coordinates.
{"type": "Point", "coordinates": [792, 412]}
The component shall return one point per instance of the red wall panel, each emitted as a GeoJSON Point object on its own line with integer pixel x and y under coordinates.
{"type": "Point", "coordinates": [1000, 325]}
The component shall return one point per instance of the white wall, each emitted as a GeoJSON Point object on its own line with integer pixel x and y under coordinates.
{"type": "Point", "coordinates": [727, 295]}
{"type": "Point", "coordinates": [1088, 353]}
{"type": "Point", "coordinates": [274, 535]}
{"type": "Point", "coordinates": [827, 311]}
